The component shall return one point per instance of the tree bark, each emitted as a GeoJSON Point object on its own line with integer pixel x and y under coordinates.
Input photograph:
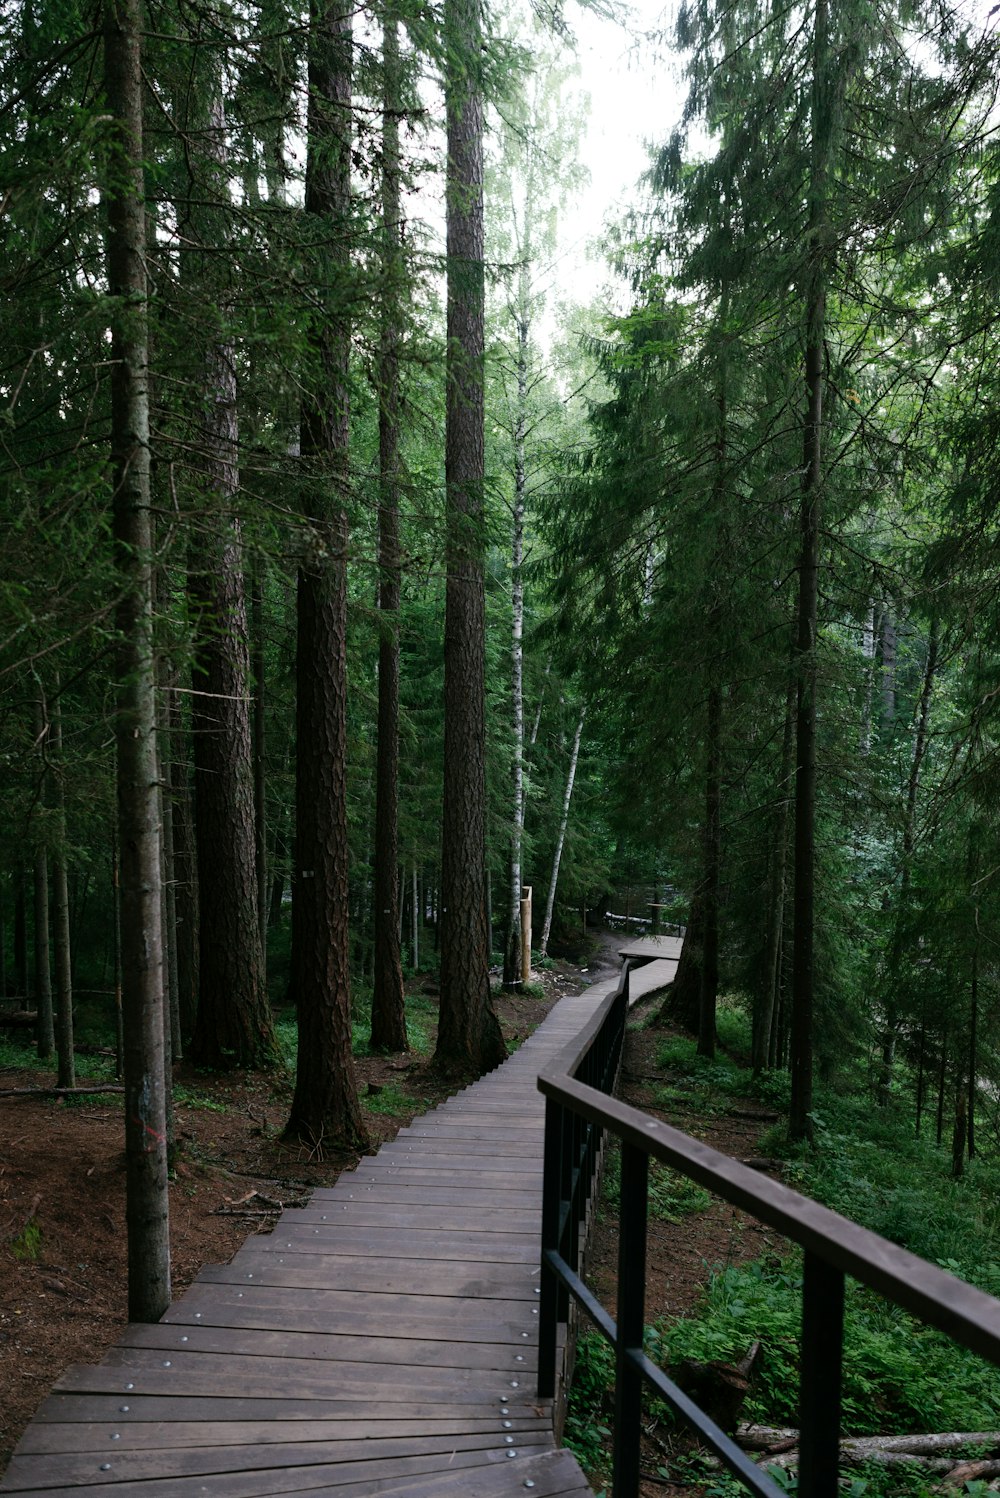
{"type": "Point", "coordinates": [45, 1034]}
{"type": "Point", "coordinates": [61, 948]}
{"type": "Point", "coordinates": [512, 974]}
{"type": "Point", "coordinates": [135, 727]}
{"type": "Point", "coordinates": [185, 875]}
{"type": "Point", "coordinates": [766, 1004]}
{"type": "Point", "coordinates": [233, 1023]}
{"type": "Point", "coordinates": [325, 1107]}
{"type": "Point", "coordinates": [388, 1029]}
{"type": "Point", "coordinates": [259, 752]}
{"type": "Point", "coordinates": [170, 945]}
{"type": "Point", "coordinates": [469, 1035]}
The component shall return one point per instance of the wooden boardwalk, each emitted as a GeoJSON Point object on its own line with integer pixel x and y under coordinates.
{"type": "Point", "coordinates": [380, 1340]}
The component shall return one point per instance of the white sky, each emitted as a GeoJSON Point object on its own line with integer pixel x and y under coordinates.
{"type": "Point", "coordinates": [636, 96]}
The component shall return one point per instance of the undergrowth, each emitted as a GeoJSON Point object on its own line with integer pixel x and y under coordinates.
{"type": "Point", "coordinates": [866, 1163]}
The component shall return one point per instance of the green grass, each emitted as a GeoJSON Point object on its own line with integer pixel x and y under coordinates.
{"type": "Point", "coordinates": [185, 1098]}
{"type": "Point", "coordinates": [588, 1418]}
{"type": "Point", "coordinates": [670, 1197]}
{"type": "Point", "coordinates": [392, 1102]}
{"type": "Point", "coordinates": [27, 1246]}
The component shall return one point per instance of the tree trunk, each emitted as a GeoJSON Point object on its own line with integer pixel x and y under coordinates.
{"type": "Point", "coordinates": [45, 1025]}
{"type": "Point", "coordinates": [325, 1107]}
{"type": "Point", "coordinates": [233, 1023]}
{"type": "Point", "coordinates": [803, 976]}
{"type": "Point", "coordinates": [469, 1035]}
{"type": "Point", "coordinates": [713, 857]}
{"type": "Point", "coordinates": [185, 876]}
{"type": "Point", "coordinates": [942, 1082]}
{"type": "Point", "coordinates": [766, 1004]}
{"type": "Point", "coordinates": [61, 948]}
{"type": "Point", "coordinates": [512, 974]}
{"type": "Point", "coordinates": [388, 1031]}
{"type": "Point", "coordinates": [887, 642]}
{"type": "Point", "coordinates": [892, 975]}
{"type": "Point", "coordinates": [417, 914]}
{"type": "Point", "coordinates": [135, 727]}
{"type": "Point", "coordinates": [170, 946]}
{"type": "Point", "coordinates": [116, 897]}
{"type": "Point", "coordinates": [550, 903]}
{"type": "Point", "coordinates": [973, 1042]}
{"type": "Point", "coordinates": [682, 1001]}
{"type": "Point", "coordinates": [259, 750]}
{"type": "Point", "coordinates": [20, 934]}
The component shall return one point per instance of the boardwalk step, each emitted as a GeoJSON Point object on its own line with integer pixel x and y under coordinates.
{"type": "Point", "coordinates": [380, 1340]}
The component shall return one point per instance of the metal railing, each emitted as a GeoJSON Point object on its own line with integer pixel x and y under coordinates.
{"type": "Point", "coordinates": [579, 1112]}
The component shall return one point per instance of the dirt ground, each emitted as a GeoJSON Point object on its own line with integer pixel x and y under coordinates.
{"type": "Point", "coordinates": [62, 1208]}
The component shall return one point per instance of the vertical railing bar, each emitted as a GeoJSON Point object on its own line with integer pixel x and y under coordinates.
{"type": "Point", "coordinates": [551, 1290]}
{"type": "Point", "coordinates": [631, 1320]}
{"type": "Point", "coordinates": [572, 1249]}
{"type": "Point", "coordinates": [820, 1376]}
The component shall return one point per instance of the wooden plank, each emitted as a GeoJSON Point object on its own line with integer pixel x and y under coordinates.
{"type": "Point", "coordinates": [503, 1152]}
{"type": "Point", "coordinates": [365, 1477]}
{"type": "Point", "coordinates": [437, 1324]}
{"type": "Point", "coordinates": [75, 1469]}
{"type": "Point", "coordinates": [230, 1407]}
{"type": "Point", "coordinates": [330, 1347]}
{"type": "Point", "coordinates": [142, 1370]}
{"type": "Point", "coordinates": [555, 1474]}
{"type": "Point", "coordinates": [462, 1279]}
{"type": "Point", "coordinates": [361, 1212]}
{"type": "Point", "coordinates": [452, 1172]}
{"type": "Point", "coordinates": [418, 1243]}
{"type": "Point", "coordinates": [526, 1199]}
{"type": "Point", "coordinates": [145, 1435]}
{"type": "Point", "coordinates": [344, 1307]}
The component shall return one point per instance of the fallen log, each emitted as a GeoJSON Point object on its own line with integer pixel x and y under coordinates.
{"type": "Point", "coordinates": [766, 1437]}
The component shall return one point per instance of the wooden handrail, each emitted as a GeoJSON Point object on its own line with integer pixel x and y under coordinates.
{"type": "Point", "coordinates": [579, 1114]}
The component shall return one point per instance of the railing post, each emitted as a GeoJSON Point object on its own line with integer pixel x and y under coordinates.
{"type": "Point", "coordinates": [819, 1378]}
{"type": "Point", "coordinates": [551, 1293]}
{"type": "Point", "coordinates": [631, 1320]}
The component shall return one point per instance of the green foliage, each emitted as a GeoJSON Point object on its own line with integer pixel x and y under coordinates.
{"type": "Point", "coordinates": [185, 1098]}
{"type": "Point", "coordinates": [869, 1166]}
{"type": "Point", "coordinates": [898, 1376]}
{"type": "Point", "coordinates": [27, 1246]}
{"type": "Point", "coordinates": [590, 1403]}
{"type": "Point", "coordinates": [391, 1102]}
{"type": "Point", "coordinates": [670, 1196]}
